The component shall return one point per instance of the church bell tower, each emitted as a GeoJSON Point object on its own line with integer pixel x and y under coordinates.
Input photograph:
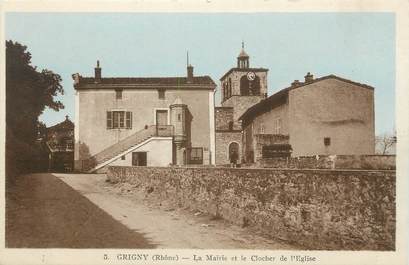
{"type": "Point", "coordinates": [243, 86]}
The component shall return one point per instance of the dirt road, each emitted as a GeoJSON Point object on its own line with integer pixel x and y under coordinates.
{"type": "Point", "coordinates": [44, 212]}
{"type": "Point", "coordinates": [111, 207]}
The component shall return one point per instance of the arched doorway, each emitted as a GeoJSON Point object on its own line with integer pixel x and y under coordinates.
{"type": "Point", "coordinates": [234, 151]}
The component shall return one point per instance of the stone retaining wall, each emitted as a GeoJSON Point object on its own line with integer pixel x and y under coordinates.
{"type": "Point", "coordinates": [318, 209]}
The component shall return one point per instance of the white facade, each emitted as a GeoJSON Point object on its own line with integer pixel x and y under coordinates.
{"type": "Point", "coordinates": [159, 153]}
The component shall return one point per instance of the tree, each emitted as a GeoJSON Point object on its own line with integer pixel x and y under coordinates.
{"type": "Point", "coordinates": [28, 93]}
{"type": "Point", "coordinates": [385, 143]}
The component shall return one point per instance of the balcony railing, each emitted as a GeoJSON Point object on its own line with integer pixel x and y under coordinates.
{"type": "Point", "coordinates": [128, 142]}
{"type": "Point", "coordinates": [162, 130]}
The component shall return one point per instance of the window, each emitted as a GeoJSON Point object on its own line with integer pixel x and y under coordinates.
{"type": "Point", "coordinates": [119, 120]}
{"type": "Point", "coordinates": [262, 128]}
{"type": "Point", "coordinates": [161, 117]}
{"type": "Point", "coordinates": [327, 141]}
{"type": "Point", "coordinates": [122, 157]}
{"type": "Point", "coordinates": [161, 93]}
{"type": "Point", "coordinates": [230, 126]}
{"type": "Point", "coordinates": [229, 89]}
{"type": "Point", "coordinates": [118, 93]}
{"type": "Point", "coordinates": [179, 117]}
{"type": "Point", "coordinates": [139, 159]}
{"type": "Point", "coordinates": [249, 87]}
{"type": "Point", "coordinates": [196, 155]}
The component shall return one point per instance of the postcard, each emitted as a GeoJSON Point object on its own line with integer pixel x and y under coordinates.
{"type": "Point", "coordinates": [206, 132]}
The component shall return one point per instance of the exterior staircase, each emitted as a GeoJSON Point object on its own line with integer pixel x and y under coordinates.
{"type": "Point", "coordinates": [91, 164]}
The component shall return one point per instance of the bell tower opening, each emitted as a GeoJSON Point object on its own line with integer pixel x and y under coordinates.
{"type": "Point", "coordinates": [250, 85]}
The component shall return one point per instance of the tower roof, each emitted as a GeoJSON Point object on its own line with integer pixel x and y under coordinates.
{"type": "Point", "coordinates": [243, 54]}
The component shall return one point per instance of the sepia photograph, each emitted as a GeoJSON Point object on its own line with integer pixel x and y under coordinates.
{"type": "Point", "coordinates": [270, 131]}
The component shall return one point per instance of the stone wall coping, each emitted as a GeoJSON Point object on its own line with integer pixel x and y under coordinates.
{"type": "Point", "coordinates": [323, 156]}
{"type": "Point", "coordinates": [363, 171]}
{"type": "Point", "coordinates": [361, 155]}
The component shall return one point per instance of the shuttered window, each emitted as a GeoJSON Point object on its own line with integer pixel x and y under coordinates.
{"type": "Point", "coordinates": [129, 120]}
{"type": "Point", "coordinates": [109, 120]}
{"type": "Point", "coordinates": [119, 120]}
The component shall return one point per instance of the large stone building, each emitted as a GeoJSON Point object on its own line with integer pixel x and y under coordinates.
{"type": "Point", "coordinates": [241, 88]}
{"type": "Point", "coordinates": [59, 142]}
{"type": "Point", "coordinates": [327, 115]}
{"type": "Point", "coordinates": [147, 121]}
{"type": "Point", "coordinates": [324, 116]}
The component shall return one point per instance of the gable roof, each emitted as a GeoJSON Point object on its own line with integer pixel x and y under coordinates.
{"type": "Point", "coordinates": [281, 96]}
{"type": "Point", "coordinates": [145, 82]}
{"type": "Point", "coordinates": [265, 105]}
{"type": "Point", "coordinates": [67, 124]}
{"type": "Point", "coordinates": [340, 79]}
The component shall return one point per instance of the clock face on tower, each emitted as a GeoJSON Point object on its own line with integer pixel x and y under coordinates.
{"type": "Point", "coordinates": [251, 76]}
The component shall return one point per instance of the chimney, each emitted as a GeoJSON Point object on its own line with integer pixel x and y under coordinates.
{"type": "Point", "coordinates": [97, 73]}
{"type": "Point", "coordinates": [189, 69]}
{"type": "Point", "coordinates": [189, 73]}
{"type": "Point", "coordinates": [309, 78]}
{"type": "Point", "coordinates": [295, 83]}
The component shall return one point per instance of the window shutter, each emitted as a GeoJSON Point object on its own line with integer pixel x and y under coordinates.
{"type": "Point", "coordinates": [129, 120]}
{"type": "Point", "coordinates": [109, 119]}
{"type": "Point", "coordinates": [121, 119]}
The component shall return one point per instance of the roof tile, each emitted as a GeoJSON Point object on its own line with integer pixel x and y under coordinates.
{"type": "Point", "coordinates": [197, 80]}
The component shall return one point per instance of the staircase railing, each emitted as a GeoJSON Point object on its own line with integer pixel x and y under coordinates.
{"type": "Point", "coordinates": [126, 143]}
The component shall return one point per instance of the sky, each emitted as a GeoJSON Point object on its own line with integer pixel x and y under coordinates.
{"type": "Point", "coordinates": [356, 46]}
